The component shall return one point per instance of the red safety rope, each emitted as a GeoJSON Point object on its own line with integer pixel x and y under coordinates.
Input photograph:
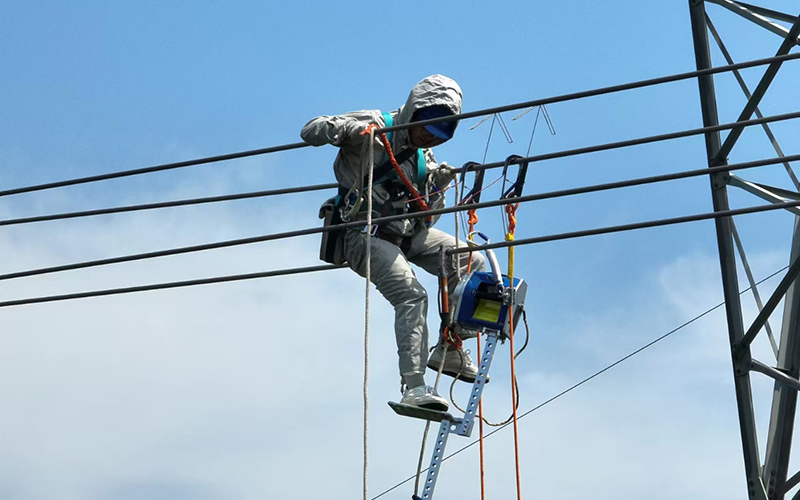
{"type": "Point", "coordinates": [453, 339]}
{"type": "Point", "coordinates": [413, 193]}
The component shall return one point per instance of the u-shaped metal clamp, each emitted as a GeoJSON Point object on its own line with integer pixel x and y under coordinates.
{"type": "Point", "coordinates": [474, 195]}
{"type": "Point", "coordinates": [515, 191]}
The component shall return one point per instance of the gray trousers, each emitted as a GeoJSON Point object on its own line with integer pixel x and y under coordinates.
{"type": "Point", "coordinates": [392, 275]}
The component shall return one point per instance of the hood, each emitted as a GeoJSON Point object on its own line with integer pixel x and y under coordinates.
{"type": "Point", "coordinates": [434, 90]}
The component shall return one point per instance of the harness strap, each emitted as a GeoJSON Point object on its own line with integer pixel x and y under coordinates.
{"type": "Point", "coordinates": [422, 168]}
{"type": "Point", "coordinates": [391, 167]}
{"type": "Point", "coordinates": [416, 197]}
{"type": "Point", "coordinates": [383, 172]}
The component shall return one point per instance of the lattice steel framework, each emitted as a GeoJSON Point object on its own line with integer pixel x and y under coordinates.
{"type": "Point", "coordinates": [770, 479]}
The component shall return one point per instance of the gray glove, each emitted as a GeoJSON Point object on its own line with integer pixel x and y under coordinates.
{"type": "Point", "coordinates": [354, 136]}
{"type": "Point", "coordinates": [443, 175]}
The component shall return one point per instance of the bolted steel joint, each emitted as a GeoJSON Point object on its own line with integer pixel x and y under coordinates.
{"type": "Point", "coordinates": [742, 361]}
{"type": "Point", "coordinates": [720, 179]}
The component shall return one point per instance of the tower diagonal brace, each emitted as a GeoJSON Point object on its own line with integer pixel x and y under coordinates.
{"type": "Point", "coordinates": [748, 13]}
{"type": "Point", "coordinates": [784, 399]}
{"type": "Point", "coordinates": [772, 14]}
{"type": "Point", "coordinates": [720, 156]}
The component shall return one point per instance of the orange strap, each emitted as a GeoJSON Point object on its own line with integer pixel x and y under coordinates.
{"type": "Point", "coordinates": [415, 196]}
{"type": "Point", "coordinates": [473, 219]}
{"type": "Point", "coordinates": [511, 210]}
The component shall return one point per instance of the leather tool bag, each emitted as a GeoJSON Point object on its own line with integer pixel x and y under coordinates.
{"type": "Point", "coordinates": [332, 246]}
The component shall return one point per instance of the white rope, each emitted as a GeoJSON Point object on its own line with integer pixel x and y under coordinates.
{"type": "Point", "coordinates": [366, 305]}
{"type": "Point", "coordinates": [421, 457]}
{"type": "Point", "coordinates": [428, 423]}
{"type": "Point", "coordinates": [438, 377]}
{"type": "Point", "coordinates": [457, 258]}
{"type": "Point", "coordinates": [427, 428]}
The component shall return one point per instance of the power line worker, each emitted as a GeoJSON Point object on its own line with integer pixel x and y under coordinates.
{"type": "Point", "coordinates": [396, 244]}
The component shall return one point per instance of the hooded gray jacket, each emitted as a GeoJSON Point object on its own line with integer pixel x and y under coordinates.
{"type": "Point", "coordinates": [344, 131]}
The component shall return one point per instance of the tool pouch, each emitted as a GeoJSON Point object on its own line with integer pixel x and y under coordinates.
{"type": "Point", "coordinates": [332, 245]}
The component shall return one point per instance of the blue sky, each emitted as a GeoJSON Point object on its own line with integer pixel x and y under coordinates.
{"type": "Point", "coordinates": [238, 390]}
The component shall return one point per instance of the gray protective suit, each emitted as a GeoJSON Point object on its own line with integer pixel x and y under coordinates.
{"type": "Point", "coordinates": [390, 269]}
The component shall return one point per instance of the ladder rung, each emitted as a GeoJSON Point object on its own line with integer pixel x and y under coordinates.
{"type": "Point", "coordinates": [422, 413]}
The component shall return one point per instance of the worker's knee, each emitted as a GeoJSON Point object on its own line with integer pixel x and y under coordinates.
{"type": "Point", "coordinates": [416, 292]}
{"type": "Point", "coordinates": [413, 294]}
{"type": "Point", "coordinates": [478, 261]}
{"type": "Point", "coordinates": [401, 288]}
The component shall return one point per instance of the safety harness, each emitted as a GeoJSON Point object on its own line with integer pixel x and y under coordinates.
{"type": "Point", "coordinates": [389, 176]}
{"type": "Point", "coordinates": [403, 197]}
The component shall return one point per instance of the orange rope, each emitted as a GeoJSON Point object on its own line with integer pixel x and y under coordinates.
{"type": "Point", "coordinates": [511, 210]}
{"type": "Point", "coordinates": [444, 307]}
{"type": "Point", "coordinates": [414, 194]}
{"type": "Point", "coordinates": [473, 219]}
{"type": "Point", "coordinates": [480, 429]}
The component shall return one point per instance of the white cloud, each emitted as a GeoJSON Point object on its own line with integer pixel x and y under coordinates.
{"type": "Point", "coordinates": [177, 390]}
{"type": "Point", "coordinates": [253, 389]}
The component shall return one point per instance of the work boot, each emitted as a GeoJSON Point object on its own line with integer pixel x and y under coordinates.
{"type": "Point", "coordinates": [465, 334]}
{"type": "Point", "coordinates": [424, 396]}
{"type": "Point", "coordinates": [457, 363]}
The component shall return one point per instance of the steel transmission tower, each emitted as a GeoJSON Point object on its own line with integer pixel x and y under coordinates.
{"type": "Point", "coordinates": [768, 479]}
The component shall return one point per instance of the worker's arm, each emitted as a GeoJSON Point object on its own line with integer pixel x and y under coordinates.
{"type": "Point", "coordinates": [340, 130]}
{"type": "Point", "coordinates": [440, 175]}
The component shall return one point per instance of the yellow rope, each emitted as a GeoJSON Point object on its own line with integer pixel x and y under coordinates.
{"type": "Point", "coordinates": [511, 210]}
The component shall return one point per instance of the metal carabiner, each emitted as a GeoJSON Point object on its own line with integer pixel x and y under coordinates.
{"type": "Point", "coordinates": [474, 195]}
{"type": "Point", "coordinates": [515, 191]}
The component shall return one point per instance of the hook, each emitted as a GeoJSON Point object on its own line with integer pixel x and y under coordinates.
{"type": "Point", "coordinates": [474, 195]}
{"type": "Point", "coordinates": [515, 191]}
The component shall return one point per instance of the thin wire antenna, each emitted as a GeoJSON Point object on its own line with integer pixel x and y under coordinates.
{"type": "Point", "coordinates": [499, 118]}
{"type": "Point", "coordinates": [528, 110]}
{"type": "Point", "coordinates": [504, 128]}
{"type": "Point", "coordinates": [489, 139]}
{"type": "Point", "coordinates": [540, 110]}
{"type": "Point", "coordinates": [533, 130]}
{"type": "Point", "coordinates": [481, 122]}
{"type": "Point", "coordinates": [548, 120]}
{"type": "Point", "coordinates": [486, 152]}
